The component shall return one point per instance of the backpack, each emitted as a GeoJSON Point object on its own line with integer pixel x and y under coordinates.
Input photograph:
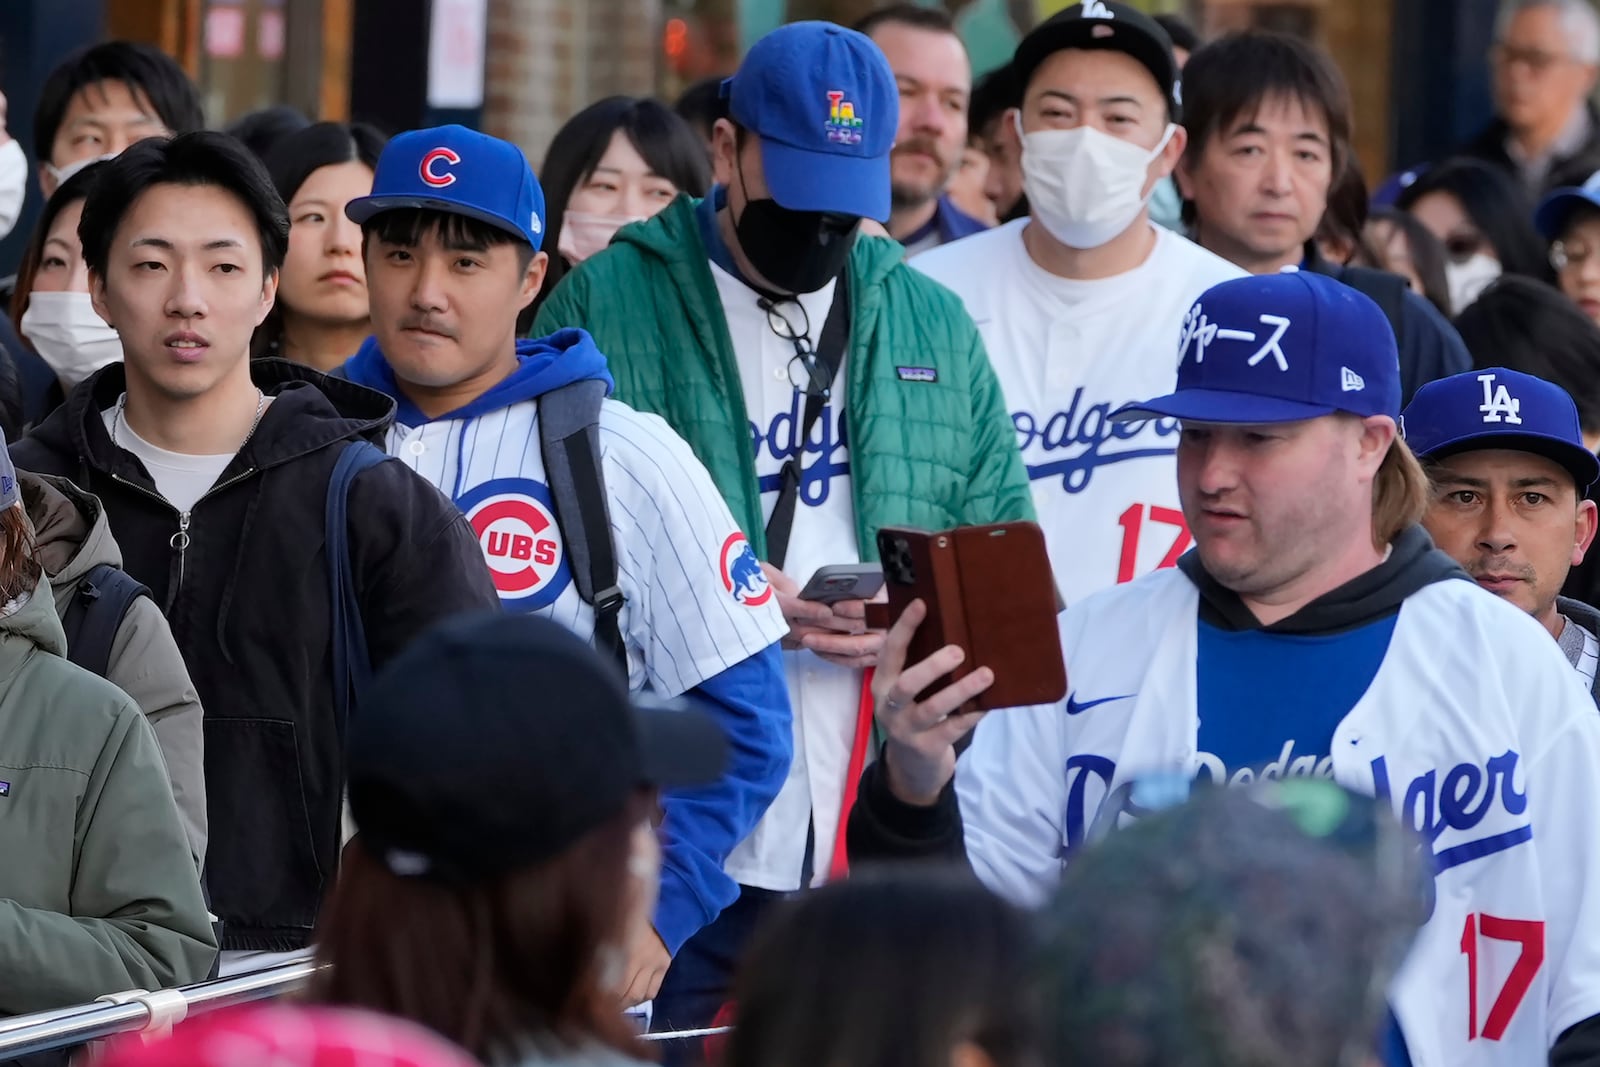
{"type": "Point", "coordinates": [569, 437]}
{"type": "Point", "coordinates": [95, 614]}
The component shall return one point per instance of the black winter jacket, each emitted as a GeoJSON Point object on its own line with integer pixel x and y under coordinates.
{"type": "Point", "coordinates": [248, 600]}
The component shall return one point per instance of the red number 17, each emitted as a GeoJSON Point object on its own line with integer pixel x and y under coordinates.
{"type": "Point", "coordinates": [1530, 935]}
{"type": "Point", "coordinates": [1132, 523]}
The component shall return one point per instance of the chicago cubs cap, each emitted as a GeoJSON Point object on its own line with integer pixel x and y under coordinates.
{"type": "Point", "coordinates": [1104, 24]}
{"type": "Point", "coordinates": [1280, 348]}
{"type": "Point", "coordinates": [494, 742]}
{"type": "Point", "coordinates": [1556, 210]}
{"type": "Point", "coordinates": [460, 171]}
{"type": "Point", "coordinates": [826, 107]}
{"type": "Point", "coordinates": [1498, 408]}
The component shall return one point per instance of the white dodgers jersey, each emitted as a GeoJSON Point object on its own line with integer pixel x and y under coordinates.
{"type": "Point", "coordinates": [697, 600]}
{"type": "Point", "coordinates": [1069, 353]}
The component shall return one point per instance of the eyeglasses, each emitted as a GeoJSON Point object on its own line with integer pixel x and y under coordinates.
{"type": "Point", "coordinates": [1564, 254]}
{"type": "Point", "coordinates": [788, 319]}
{"type": "Point", "coordinates": [1536, 60]}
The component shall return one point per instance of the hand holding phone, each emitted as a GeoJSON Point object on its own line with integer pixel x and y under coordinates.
{"type": "Point", "coordinates": [843, 581]}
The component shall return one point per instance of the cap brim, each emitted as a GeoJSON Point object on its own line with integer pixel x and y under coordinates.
{"type": "Point", "coordinates": [360, 210]}
{"type": "Point", "coordinates": [1557, 208]}
{"type": "Point", "coordinates": [1577, 461]}
{"type": "Point", "coordinates": [679, 745]}
{"type": "Point", "coordinates": [804, 180]}
{"type": "Point", "coordinates": [1221, 407]}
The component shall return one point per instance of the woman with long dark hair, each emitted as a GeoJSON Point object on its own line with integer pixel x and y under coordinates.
{"type": "Point", "coordinates": [321, 316]}
{"type": "Point", "coordinates": [617, 161]}
{"type": "Point", "coordinates": [1485, 222]}
{"type": "Point", "coordinates": [504, 857]}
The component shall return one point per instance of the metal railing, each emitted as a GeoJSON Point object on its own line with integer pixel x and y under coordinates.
{"type": "Point", "coordinates": [139, 1011]}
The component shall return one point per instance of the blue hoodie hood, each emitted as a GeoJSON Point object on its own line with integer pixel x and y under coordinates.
{"type": "Point", "coordinates": [543, 364]}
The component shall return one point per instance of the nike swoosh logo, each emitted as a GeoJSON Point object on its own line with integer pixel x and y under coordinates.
{"type": "Point", "coordinates": [1075, 708]}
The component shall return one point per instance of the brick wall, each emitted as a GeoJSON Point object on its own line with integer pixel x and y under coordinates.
{"type": "Point", "coordinates": [548, 59]}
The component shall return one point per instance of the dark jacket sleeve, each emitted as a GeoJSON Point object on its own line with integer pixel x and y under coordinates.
{"type": "Point", "coordinates": [1433, 348]}
{"type": "Point", "coordinates": [415, 556]}
{"type": "Point", "coordinates": [884, 828]}
{"type": "Point", "coordinates": [1578, 1045]}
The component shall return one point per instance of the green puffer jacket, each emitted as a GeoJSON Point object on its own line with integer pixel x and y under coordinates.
{"type": "Point", "coordinates": [928, 454]}
{"type": "Point", "coordinates": [98, 890]}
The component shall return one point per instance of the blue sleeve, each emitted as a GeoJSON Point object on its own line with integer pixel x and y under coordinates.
{"type": "Point", "coordinates": [701, 826]}
{"type": "Point", "coordinates": [1431, 348]}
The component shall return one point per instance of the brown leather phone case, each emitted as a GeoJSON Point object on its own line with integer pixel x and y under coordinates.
{"type": "Point", "coordinates": [988, 589]}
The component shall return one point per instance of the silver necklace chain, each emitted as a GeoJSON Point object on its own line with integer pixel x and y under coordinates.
{"type": "Point", "coordinates": [122, 403]}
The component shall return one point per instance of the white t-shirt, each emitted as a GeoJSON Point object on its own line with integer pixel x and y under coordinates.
{"type": "Point", "coordinates": [1068, 353]}
{"type": "Point", "coordinates": [825, 698]}
{"type": "Point", "coordinates": [181, 479]}
{"type": "Point", "coordinates": [697, 602]}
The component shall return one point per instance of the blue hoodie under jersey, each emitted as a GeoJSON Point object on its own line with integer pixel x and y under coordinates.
{"type": "Point", "coordinates": [700, 827]}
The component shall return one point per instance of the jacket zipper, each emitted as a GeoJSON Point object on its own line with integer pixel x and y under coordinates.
{"type": "Point", "coordinates": [181, 540]}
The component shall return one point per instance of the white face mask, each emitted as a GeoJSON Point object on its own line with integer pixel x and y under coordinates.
{"type": "Point", "coordinates": [13, 184]}
{"type": "Point", "coordinates": [69, 334]}
{"type": "Point", "coordinates": [1467, 280]}
{"type": "Point", "coordinates": [584, 233]}
{"type": "Point", "coordinates": [1084, 186]}
{"type": "Point", "coordinates": [61, 174]}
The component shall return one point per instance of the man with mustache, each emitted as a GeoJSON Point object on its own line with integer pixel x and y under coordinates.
{"type": "Point", "coordinates": [934, 76]}
{"type": "Point", "coordinates": [1510, 471]}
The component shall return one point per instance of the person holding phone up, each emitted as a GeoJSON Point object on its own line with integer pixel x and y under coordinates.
{"type": "Point", "coordinates": [828, 388]}
{"type": "Point", "coordinates": [1314, 632]}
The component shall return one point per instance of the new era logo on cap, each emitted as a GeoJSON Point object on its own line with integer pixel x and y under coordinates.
{"type": "Point", "coordinates": [1350, 381]}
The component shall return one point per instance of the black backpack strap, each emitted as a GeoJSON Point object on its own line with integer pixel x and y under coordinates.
{"type": "Point", "coordinates": [569, 435]}
{"type": "Point", "coordinates": [829, 355]}
{"type": "Point", "coordinates": [95, 614]}
{"type": "Point", "coordinates": [352, 667]}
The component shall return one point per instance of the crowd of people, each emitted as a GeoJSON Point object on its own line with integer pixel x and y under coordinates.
{"type": "Point", "coordinates": [406, 557]}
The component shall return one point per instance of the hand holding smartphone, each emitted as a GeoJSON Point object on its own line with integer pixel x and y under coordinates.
{"type": "Point", "coordinates": [988, 590]}
{"type": "Point", "coordinates": [844, 581]}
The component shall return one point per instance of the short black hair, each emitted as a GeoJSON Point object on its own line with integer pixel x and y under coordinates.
{"type": "Point", "coordinates": [1497, 206]}
{"type": "Point", "coordinates": [916, 16]}
{"type": "Point", "coordinates": [262, 129]}
{"type": "Point", "coordinates": [1528, 326]}
{"type": "Point", "coordinates": [1229, 79]}
{"type": "Point", "coordinates": [148, 70]}
{"type": "Point", "coordinates": [406, 227]}
{"type": "Point", "coordinates": [1183, 35]}
{"type": "Point", "coordinates": [201, 158]}
{"type": "Point", "coordinates": [992, 95]}
{"type": "Point", "coordinates": [702, 104]}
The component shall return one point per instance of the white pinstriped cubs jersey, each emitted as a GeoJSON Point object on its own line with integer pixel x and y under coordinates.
{"type": "Point", "coordinates": [697, 602]}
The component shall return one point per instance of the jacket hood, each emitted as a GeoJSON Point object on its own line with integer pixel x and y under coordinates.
{"type": "Point", "coordinates": [310, 410]}
{"type": "Point", "coordinates": [673, 235]}
{"type": "Point", "coordinates": [34, 621]}
{"type": "Point", "coordinates": [70, 528]}
{"type": "Point", "coordinates": [1580, 613]}
{"type": "Point", "coordinates": [1412, 564]}
{"type": "Point", "coordinates": [543, 364]}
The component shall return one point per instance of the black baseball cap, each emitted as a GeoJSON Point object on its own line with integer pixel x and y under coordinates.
{"type": "Point", "coordinates": [492, 743]}
{"type": "Point", "coordinates": [1106, 25]}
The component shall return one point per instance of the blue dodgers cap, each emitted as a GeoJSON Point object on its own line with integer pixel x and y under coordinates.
{"type": "Point", "coordinates": [1498, 408]}
{"type": "Point", "coordinates": [460, 171]}
{"type": "Point", "coordinates": [1280, 348]}
{"type": "Point", "coordinates": [826, 107]}
{"type": "Point", "coordinates": [1555, 210]}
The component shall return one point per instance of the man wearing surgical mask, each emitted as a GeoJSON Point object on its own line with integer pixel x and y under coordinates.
{"type": "Point", "coordinates": [1079, 304]}
{"type": "Point", "coordinates": [830, 390]}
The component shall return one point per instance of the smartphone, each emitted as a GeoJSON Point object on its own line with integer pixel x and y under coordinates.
{"type": "Point", "coordinates": [844, 581]}
{"type": "Point", "coordinates": [990, 590]}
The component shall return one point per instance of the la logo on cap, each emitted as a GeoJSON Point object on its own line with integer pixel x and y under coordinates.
{"type": "Point", "coordinates": [1097, 10]}
{"type": "Point", "coordinates": [431, 162]}
{"type": "Point", "coordinates": [1498, 403]}
{"type": "Point", "coordinates": [843, 127]}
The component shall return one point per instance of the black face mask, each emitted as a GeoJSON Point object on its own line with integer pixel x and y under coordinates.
{"type": "Point", "coordinates": [797, 251]}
